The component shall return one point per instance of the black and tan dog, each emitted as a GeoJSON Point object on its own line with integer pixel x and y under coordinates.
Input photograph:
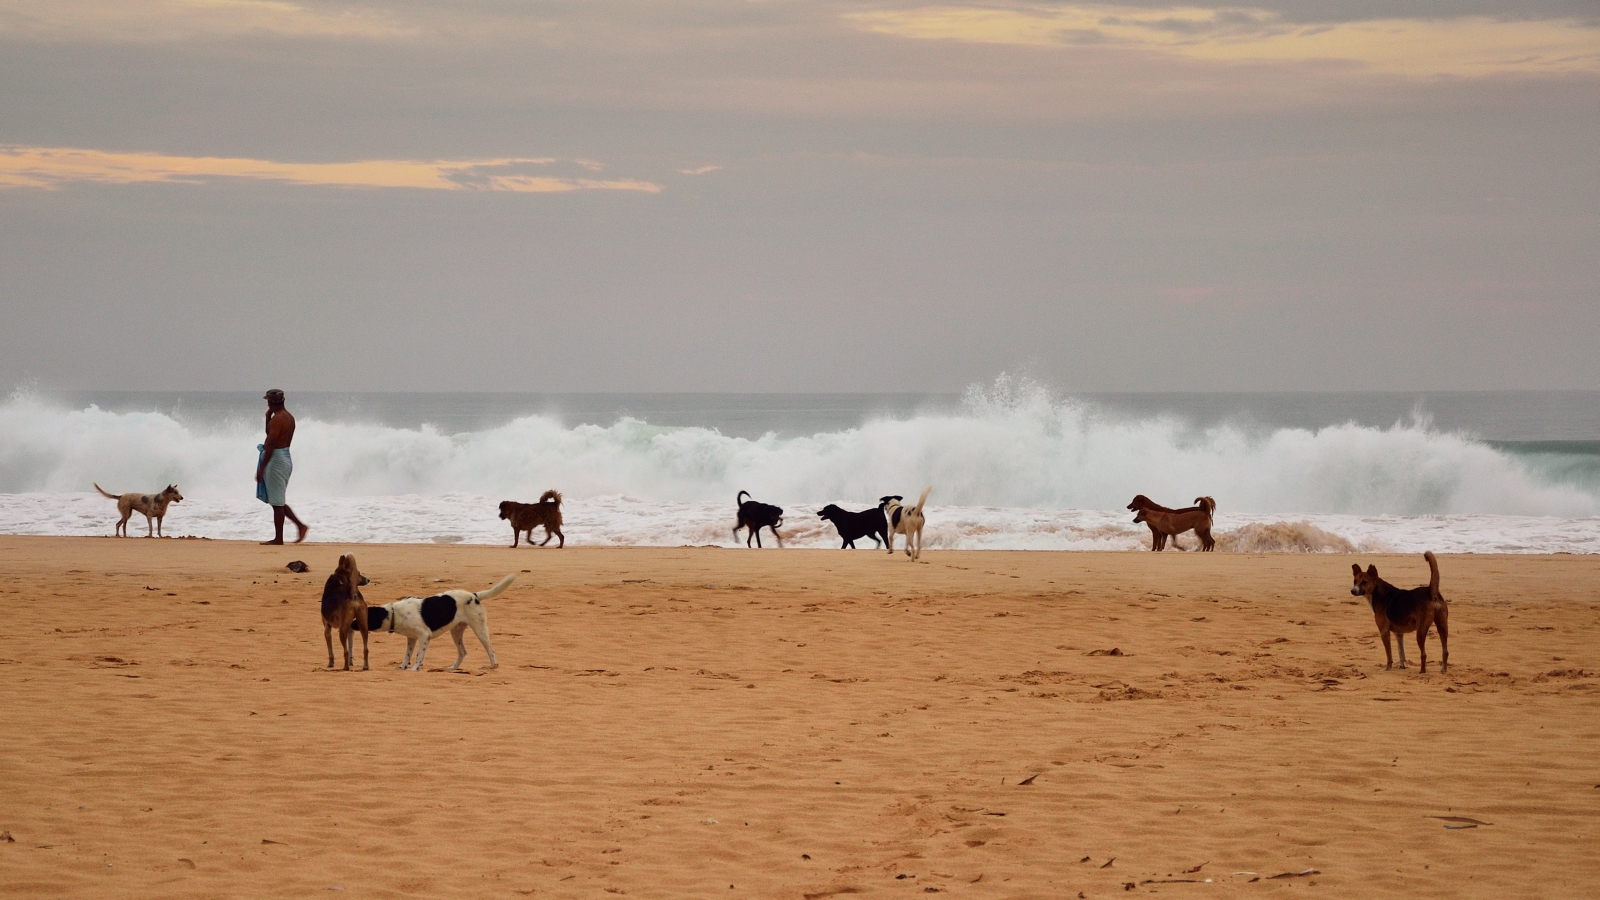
{"type": "Point", "coordinates": [755, 516]}
{"type": "Point", "coordinates": [344, 608]}
{"type": "Point", "coordinates": [154, 507]}
{"type": "Point", "coordinates": [856, 525]}
{"type": "Point", "coordinates": [1403, 612]}
{"type": "Point", "coordinates": [527, 516]}
{"type": "Point", "coordinates": [1165, 522]}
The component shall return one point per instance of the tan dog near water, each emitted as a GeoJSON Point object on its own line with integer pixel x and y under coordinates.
{"type": "Point", "coordinates": [1403, 612]}
{"type": "Point", "coordinates": [154, 507]}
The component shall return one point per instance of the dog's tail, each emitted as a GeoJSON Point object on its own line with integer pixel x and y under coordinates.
{"type": "Point", "coordinates": [1207, 504]}
{"type": "Point", "coordinates": [103, 492]}
{"type": "Point", "coordinates": [739, 500]}
{"type": "Point", "coordinates": [550, 497]}
{"type": "Point", "coordinates": [1433, 582]}
{"type": "Point", "coordinates": [917, 510]}
{"type": "Point", "coordinates": [498, 589]}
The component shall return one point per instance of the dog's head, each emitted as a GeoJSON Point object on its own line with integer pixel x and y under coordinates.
{"type": "Point", "coordinates": [830, 512]}
{"type": "Point", "coordinates": [891, 500]}
{"type": "Point", "coordinates": [1139, 517]}
{"type": "Point", "coordinates": [378, 617]}
{"type": "Point", "coordinates": [1140, 501]}
{"type": "Point", "coordinates": [171, 494]}
{"type": "Point", "coordinates": [348, 571]}
{"type": "Point", "coordinates": [1364, 582]}
{"type": "Point", "coordinates": [506, 506]}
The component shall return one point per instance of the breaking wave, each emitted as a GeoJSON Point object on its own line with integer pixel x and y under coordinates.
{"type": "Point", "coordinates": [1011, 463]}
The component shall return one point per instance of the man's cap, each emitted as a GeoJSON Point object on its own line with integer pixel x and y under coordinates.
{"type": "Point", "coordinates": [273, 394]}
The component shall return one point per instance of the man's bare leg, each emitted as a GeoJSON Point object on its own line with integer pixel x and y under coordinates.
{"type": "Point", "coordinates": [278, 515]}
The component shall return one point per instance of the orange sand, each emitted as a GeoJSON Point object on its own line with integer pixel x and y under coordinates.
{"type": "Point", "coordinates": [784, 724]}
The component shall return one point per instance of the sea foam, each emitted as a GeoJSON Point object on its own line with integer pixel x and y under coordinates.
{"type": "Point", "coordinates": [1015, 467]}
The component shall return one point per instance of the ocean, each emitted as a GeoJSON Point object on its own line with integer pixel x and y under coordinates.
{"type": "Point", "coordinates": [1013, 465]}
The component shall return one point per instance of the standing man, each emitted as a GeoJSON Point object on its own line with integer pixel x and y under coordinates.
{"type": "Point", "coordinates": [272, 472]}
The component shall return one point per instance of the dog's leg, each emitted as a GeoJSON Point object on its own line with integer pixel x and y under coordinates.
{"type": "Point", "coordinates": [1422, 648]}
{"type": "Point", "coordinates": [1388, 654]}
{"type": "Point", "coordinates": [461, 647]}
{"type": "Point", "coordinates": [411, 644]}
{"type": "Point", "coordinates": [347, 642]}
{"type": "Point", "coordinates": [1401, 640]}
{"type": "Point", "coordinates": [422, 650]}
{"type": "Point", "coordinates": [547, 536]}
{"type": "Point", "coordinates": [327, 635]}
{"type": "Point", "coordinates": [776, 536]}
{"type": "Point", "coordinates": [481, 629]}
{"type": "Point", "coordinates": [1442, 619]}
{"type": "Point", "coordinates": [149, 526]}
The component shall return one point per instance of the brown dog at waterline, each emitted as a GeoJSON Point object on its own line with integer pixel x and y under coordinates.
{"type": "Point", "coordinates": [1165, 522]}
{"type": "Point", "coordinates": [527, 516]}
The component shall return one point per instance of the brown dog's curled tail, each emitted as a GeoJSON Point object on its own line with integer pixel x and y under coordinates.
{"type": "Point", "coordinates": [104, 494]}
{"type": "Point", "coordinates": [1433, 582]}
{"type": "Point", "coordinates": [550, 497]}
{"type": "Point", "coordinates": [1207, 504]}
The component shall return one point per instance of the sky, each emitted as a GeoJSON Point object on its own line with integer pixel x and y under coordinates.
{"type": "Point", "coordinates": [766, 195]}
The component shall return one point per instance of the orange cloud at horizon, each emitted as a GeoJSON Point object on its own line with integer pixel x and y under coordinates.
{"type": "Point", "coordinates": [1463, 46]}
{"type": "Point", "coordinates": [51, 167]}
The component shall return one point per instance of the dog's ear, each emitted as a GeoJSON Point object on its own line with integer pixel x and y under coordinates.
{"type": "Point", "coordinates": [1372, 571]}
{"type": "Point", "coordinates": [1356, 569]}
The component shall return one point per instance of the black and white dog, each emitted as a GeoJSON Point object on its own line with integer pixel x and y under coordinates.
{"type": "Point", "coordinates": [906, 520]}
{"type": "Point", "coordinates": [853, 525]}
{"type": "Point", "coordinates": [421, 619]}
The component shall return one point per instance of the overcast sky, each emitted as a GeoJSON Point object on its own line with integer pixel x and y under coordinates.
{"type": "Point", "coordinates": [799, 196]}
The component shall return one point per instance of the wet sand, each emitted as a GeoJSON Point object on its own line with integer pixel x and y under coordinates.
{"type": "Point", "coordinates": [794, 724]}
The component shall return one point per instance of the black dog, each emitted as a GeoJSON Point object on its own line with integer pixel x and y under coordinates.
{"type": "Point", "coordinates": [756, 516]}
{"type": "Point", "coordinates": [852, 525]}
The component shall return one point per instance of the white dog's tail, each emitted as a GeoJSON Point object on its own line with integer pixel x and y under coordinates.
{"type": "Point", "coordinates": [103, 491]}
{"type": "Point", "coordinates": [917, 510]}
{"type": "Point", "coordinates": [497, 590]}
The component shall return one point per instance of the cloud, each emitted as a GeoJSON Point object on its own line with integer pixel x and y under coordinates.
{"type": "Point", "coordinates": [50, 167]}
{"type": "Point", "coordinates": [166, 20]}
{"type": "Point", "coordinates": [700, 171]}
{"type": "Point", "coordinates": [1460, 46]}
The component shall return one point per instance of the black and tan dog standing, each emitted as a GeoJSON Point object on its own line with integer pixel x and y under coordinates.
{"type": "Point", "coordinates": [527, 516]}
{"type": "Point", "coordinates": [1403, 612]}
{"type": "Point", "coordinates": [344, 608]}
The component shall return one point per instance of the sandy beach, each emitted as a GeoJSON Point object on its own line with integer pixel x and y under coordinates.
{"type": "Point", "coordinates": [794, 724]}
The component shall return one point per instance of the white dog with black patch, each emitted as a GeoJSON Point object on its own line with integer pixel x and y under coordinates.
{"type": "Point", "coordinates": [421, 619]}
{"type": "Point", "coordinates": [906, 520]}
